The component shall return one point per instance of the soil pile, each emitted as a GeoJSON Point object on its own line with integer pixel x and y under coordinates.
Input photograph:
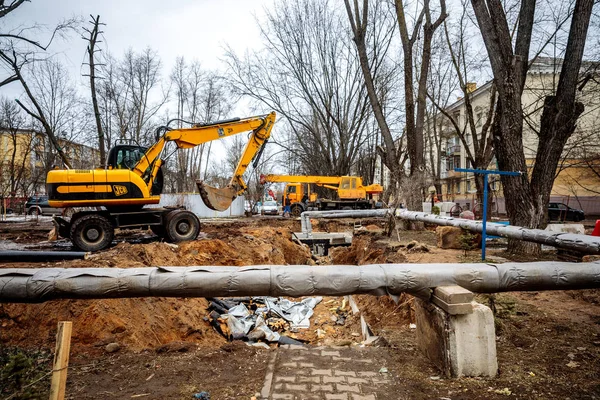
{"type": "Point", "coordinates": [147, 322]}
{"type": "Point", "coordinates": [369, 247]}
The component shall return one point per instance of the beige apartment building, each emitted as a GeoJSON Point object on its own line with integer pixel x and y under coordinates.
{"type": "Point", "coordinates": [24, 159]}
{"type": "Point", "coordinates": [578, 175]}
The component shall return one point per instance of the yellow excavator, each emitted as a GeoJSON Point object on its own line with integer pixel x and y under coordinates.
{"type": "Point", "coordinates": [133, 178]}
{"type": "Point", "coordinates": [350, 192]}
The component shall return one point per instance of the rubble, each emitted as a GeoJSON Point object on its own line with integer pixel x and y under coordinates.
{"type": "Point", "coordinates": [261, 318]}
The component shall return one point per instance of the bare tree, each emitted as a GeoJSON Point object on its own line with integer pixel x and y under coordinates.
{"type": "Point", "coordinates": [201, 97]}
{"type": "Point", "coordinates": [91, 51]}
{"type": "Point", "coordinates": [391, 152]}
{"type": "Point", "coordinates": [18, 50]}
{"type": "Point", "coordinates": [443, 84]}
{"type": "Point", "coordinates": [476, 141]}
{"type": "Point", "coordinates": [179, 81]}
{"type": "Point", "coordinates": [527, 198]}
{"type": "Point", "coordinates": [415, 100]}
{"type": "Point", "coordinates": [58, 101]}
{"type": "Point", "coordinates": [311, 77]}
{"type": "Point", "coordinates": [132, 94]}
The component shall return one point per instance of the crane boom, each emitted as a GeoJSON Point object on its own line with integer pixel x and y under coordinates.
{"type": "Point", "coordinates": [317, 180]}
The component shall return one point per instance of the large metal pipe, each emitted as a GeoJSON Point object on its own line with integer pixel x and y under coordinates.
{"type": "Point", "coordinates": [583, 243]}
{"type": "Point", "coordinates": [572, 241]}
{"type": "Point", "coordinates": [39, 285]}
{"type": "Point", "coordinates": [40, 256]}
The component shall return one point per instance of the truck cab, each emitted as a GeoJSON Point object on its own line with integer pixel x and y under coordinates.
{"type": "Point", "coordinates": [296, 192]}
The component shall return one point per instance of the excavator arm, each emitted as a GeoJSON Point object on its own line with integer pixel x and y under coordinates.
{"type": "Point", "coordinates": [186, 138]}
{"type": "Point", "coordinates": [132, 171]}
{"type": "Point", "coordinates": [220, 199]}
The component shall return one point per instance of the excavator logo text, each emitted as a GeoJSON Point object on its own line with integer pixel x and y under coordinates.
{"type": "Point", "coordinates": [119, 190]}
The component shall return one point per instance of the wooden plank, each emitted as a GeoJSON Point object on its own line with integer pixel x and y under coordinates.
{"type": "Point", "coordinates": [61, 360]}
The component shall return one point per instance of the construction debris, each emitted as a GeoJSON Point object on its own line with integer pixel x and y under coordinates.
{"type": "Point", "coordinates": [261, 318]}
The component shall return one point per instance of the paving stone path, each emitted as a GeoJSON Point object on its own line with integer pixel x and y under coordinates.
{"type": "Point", "coordinates": [305, 373]}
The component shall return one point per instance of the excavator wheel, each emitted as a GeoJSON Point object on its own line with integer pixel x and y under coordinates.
{"type": "Point", "coordinates": [296, 211]}
{"type": "Point", "coordinates": [91, 232]}
{"type": "Point", "coordinates": [182, 225]}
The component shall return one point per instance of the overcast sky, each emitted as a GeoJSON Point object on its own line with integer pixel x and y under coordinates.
{"type": "Point", "coordinates": [195, 29]}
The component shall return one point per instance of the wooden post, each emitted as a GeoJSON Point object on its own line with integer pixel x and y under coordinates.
{"type": "Point", "coordinates": [61, 360]}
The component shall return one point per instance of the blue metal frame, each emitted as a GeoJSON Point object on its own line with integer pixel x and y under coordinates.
{"type": "Point", "coordinates": [485, 173]}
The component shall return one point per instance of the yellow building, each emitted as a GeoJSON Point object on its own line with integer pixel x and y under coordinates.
{"type": "Point", "coordinates": [578, 174]}
{"type": "Point", "coordinates": [25, 160]}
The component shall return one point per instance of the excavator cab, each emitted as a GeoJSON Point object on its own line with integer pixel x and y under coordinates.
{"type": "Point", "coordinates": [125, 156]}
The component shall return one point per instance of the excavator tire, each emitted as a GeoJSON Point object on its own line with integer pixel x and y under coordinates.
{"type": "Point", "coordinates": [181, 225]}
{"type": "Point", "coordinates": [91, 232]}
{"type": "Point", "coordinates": [296, 211]}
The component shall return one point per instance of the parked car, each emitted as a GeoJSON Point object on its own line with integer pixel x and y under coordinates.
{"type": "Point", "coordinates": [8, 210]}
{"type": "Point", "coordinates": [562, 212]}
{"type": "Point", "coordinates": [38, 205]}
{"type": "Point", "coordinates": [257, 208]}
{"type": "Point", "coordinates": [269, 208]}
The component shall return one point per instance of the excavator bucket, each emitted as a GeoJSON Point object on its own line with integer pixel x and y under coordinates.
{"type": "Point", "coordinates": [215, 198]}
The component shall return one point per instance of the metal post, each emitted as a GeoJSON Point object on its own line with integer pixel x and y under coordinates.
{"type": "Point", "coordinates": [485, 205]}
{"type": "Point", "coordinates": [485, 174]}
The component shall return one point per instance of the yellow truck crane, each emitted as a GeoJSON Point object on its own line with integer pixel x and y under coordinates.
{"type": "Point", "coordinates": [351, 193]}
{"type": "Point", "coordinates": [133, 178]}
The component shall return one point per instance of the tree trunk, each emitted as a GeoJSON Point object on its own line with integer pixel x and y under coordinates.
{"type": "Point", "coordinates": [91, 49]}
{"type": "Point", "coordinates": [389, 154]}
{"type": "Point", "coordinates": [526, 202]}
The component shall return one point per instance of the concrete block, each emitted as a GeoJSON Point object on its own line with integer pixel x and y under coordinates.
{"type": "Point", "coordinates": [459, 345]}
{"type": "Point", "coordinates": [453, 299]}
{"type": "Point", "coordinates": [453, 309]}
{"type": "Point", "coordinates": [453, 294]}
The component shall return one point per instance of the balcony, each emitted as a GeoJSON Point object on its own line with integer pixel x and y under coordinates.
{"type": "Point", "coordinates": [452, 174]}
{"type": "Point", "coordinates": [454, 149]}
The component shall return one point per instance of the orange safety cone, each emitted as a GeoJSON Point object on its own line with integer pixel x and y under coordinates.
{"type": "Point", "coordinates": [596, 231]}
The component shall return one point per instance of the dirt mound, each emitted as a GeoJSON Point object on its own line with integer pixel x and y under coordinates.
{"type": "Point", "coordinates": [369, 247]}
{"type": "Point", "coordinates": [147, 322]}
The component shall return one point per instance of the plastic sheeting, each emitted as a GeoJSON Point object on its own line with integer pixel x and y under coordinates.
{"type": "Point", "coordinates": [296, 313]}
{"type": "Point", "coordinates": [39, 285]}
{"type": "Point", "coordinates": [243, 323]}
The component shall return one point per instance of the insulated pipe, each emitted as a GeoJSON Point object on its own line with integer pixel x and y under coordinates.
{"type": "Point", "coordinates": [572, 241]}
{"type": "Point", "coordinates": [40, 256]}
{"type": "Point", "coordinates": [22, 285]}
{"type": "Point", "coordinates": [306, 216]}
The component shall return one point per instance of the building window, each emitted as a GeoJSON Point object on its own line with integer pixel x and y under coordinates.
{"type": "Point", "coordinates": [456, 117]}
{"type": "Point", "coordinates": [458, 187]}
{"type": "Point", "coordinates": [468, 186]}
{"type": "Point", "coordinates": [494, 185]}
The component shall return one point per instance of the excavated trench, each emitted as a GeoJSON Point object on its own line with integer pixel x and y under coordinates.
{"type": "Point", "coordinates": [149, 323]}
